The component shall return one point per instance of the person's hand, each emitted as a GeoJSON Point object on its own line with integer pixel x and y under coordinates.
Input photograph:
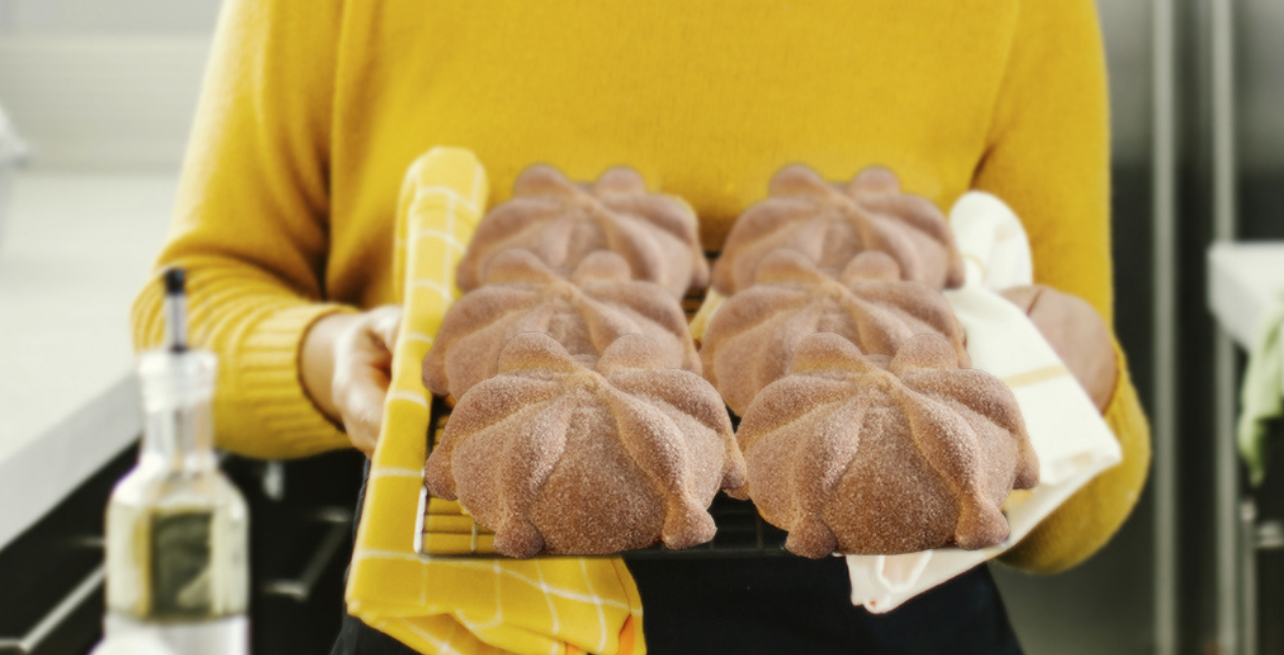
{"type": "Point", "coordinates": [346, 367]}
{"type": "Point", "coordinates": [1077, 334]}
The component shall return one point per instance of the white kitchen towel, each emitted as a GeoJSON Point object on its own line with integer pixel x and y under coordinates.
{"type": "Point", "coordinates": [1072, 440]}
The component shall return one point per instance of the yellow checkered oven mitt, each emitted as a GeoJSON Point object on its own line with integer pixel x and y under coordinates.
{"type": "Point", "coordinates": [466, 605]}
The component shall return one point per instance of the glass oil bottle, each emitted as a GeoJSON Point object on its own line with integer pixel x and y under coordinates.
{"type": "Point", "coordinates": [176, 526]}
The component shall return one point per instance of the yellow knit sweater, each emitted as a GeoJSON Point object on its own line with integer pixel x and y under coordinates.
{"type": "Point", "coordinates": [311, 113]}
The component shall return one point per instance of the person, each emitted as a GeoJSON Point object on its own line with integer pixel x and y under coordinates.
{"type": "Point", "coordinates": [311, 114]}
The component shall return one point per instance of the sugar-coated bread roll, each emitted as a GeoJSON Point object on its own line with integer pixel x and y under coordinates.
{"type": "Point", "coordinates": [831, 224]}
{"type": "Point", "coordinates": [752, 337]}
{"type": "Point", "coordinates": [586, 314]}
{"type": "Point", "coordinates": [868, 454]}
{"type": "Point", "coordinates": [558, 457]}
{"type": "Point", "coordinates": [562, 222]}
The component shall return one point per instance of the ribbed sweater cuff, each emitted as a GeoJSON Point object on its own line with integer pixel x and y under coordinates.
{"type": "Point", "coordinates": [268, 372]}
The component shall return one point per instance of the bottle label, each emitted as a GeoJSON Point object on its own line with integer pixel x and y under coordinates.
{"type": "Point", "coordinates": [182, 576]}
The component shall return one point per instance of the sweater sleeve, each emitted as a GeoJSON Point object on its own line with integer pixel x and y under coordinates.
{"type": "Point", "coordinates": [1048, 157]}
{"type": "Point", "coordinates": [251, 222]}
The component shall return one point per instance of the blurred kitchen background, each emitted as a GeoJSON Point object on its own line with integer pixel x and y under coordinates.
{"type": "Point", "coordinates": [102, 92]}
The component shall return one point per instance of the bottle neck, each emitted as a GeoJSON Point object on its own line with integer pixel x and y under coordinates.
{"type": "Point", "coordinates": [178, 390]}
{"type": "Point", "coordinates": [179, 439]}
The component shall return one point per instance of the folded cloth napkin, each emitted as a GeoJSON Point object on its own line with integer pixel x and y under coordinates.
{"type": "Point", "coordinates": [1262, 392]}
{"type": "Point", "coordinates": [1071, 439]}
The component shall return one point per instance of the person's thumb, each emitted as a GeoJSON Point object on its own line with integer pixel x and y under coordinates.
{"type": "Point", "coordinates": [361, 401]}
{"type": "Point", "coordinates": [384, 324]}
{"type": "Point", "coordinates": [362, 372]}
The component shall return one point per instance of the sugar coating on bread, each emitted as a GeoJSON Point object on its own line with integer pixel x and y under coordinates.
{"type": "Point", "coordinates": [562, 222]}
{"type": "Point", "coordinates": [832, 223]}
{"type": "Point", "coordinates": [586, 314]}
{"type": "Point", "coordinates": [751, 339]}
{"type": "Point", "coordinates": [869, 454]}
{"type": "Point", "coordinates": [559, 457]}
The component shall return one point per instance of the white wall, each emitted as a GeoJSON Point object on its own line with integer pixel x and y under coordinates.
{"type": "Point", "coordinates": [103, 102]}
{"type": "Point", "coordinates": [100, 17]}
{"type": "Point", "coordinates": [104, 84]}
